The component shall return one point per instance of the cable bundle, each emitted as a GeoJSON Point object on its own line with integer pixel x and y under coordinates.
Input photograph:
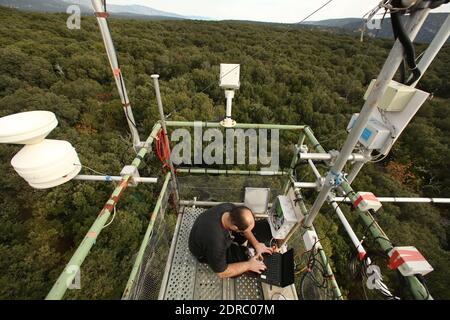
{"type": "Point", "coordinates": [313, 271]}
{"type": "Point", "coordinates": [163, 149]}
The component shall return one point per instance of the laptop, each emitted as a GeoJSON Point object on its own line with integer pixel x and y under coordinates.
{"type": "Point", "coordinates": [280, 269]}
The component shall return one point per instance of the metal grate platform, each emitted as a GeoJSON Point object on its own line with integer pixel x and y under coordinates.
{"type": "Point", "coordinates": [188, 279]}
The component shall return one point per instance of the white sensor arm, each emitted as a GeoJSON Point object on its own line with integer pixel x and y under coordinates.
{"type": "Point", "coordinates": [229, 95]}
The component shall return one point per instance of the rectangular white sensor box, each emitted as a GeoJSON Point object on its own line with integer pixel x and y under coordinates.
{"type": "Point", "coordinates": [374, 135]}
{"type": "Point", "coordinates": [396, 97]}
{"type": "Point", "coordinates": [409, 261]}
{"type": "Point", "coordinates": [282, 217]}
{"type": "Point", "coordinates": [229, 76]}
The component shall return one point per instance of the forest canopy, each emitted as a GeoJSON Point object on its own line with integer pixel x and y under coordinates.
{"type": "Point", "coordinates": [289, 75]}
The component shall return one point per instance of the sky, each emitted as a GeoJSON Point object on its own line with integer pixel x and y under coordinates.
{"type": "Point", "coordinates": [285, 11]}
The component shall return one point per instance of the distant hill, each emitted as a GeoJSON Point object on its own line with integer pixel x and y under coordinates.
{"type": "Point", "coordinates": [431, 26]}
{"type": "Point", "coordinates": [129, 11]}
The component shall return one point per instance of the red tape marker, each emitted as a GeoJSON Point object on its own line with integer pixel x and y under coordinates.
{"type": "Point", "coordinates": [399, 257]}
{"type": "Point", "coordinates": [102, 14]}
{"type": "Point", "coordinates": [368, 196]}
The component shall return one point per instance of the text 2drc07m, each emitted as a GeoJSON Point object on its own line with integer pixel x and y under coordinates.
{"type": "Point", "coordinates": [258, 309]}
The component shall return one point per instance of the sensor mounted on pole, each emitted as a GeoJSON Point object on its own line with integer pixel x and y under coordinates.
{"type": "Point", "coordinates": [229, 80]}
{"type": "Point", "coordinates": [43, 163]}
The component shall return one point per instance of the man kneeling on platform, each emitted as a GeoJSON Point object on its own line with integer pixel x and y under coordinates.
{"type": "Point", "coordinates": [219, 237]}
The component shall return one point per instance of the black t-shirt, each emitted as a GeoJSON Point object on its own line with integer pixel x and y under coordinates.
{"type": "Point", "coordinates": [209, 240]}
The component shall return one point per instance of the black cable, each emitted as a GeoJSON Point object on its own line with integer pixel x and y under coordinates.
{"type": "Point", "coordinates": [320, 8]}
{"type": "Point", "coordinates": [410, 55]}
{"type": "Point", "coordinates": [313, 263]}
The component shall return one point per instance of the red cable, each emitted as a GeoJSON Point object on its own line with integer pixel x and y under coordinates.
{"type": "Point", "coordinates": [162, 149]}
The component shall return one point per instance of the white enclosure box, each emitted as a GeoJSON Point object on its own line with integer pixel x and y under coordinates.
{"type": "Point", "coordinates": [367, 201]}
{"type": "Point", "coordinates": [310, 239]}
{"type": "Point", "coordinates": [257, 199]}
{"type": "Point", "coordinates": [374, 135]}
{"type": "Point", "coordinates": [409, 261]}
{"type": "Point", "coordinates": [396, 97]}
{"type": "Point", "coordinates": [229, 76]}
{"type": "Point", "coordinates": [282, 217]}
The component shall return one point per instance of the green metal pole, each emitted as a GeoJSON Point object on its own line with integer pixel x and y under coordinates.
{"type": "Point", "coordinates": [322, 255]}
{"type": "Point", "coordinates": [65, 279]}
{"type": "Point", "coordinates": [318, 148]}
{"type": "Point", "coordinates": [144, 243]}
{"type": "Point", "coordinates": [301, 140]}
{"type": "Point", "coordinates": [231, 172]}
{"type": "Point", "coordinates": [238, 126]}
{"type": "Point", "coordinates": [330, 275]}
{"type": "Point", "coordinates": [417, 289]}
{"type": "Point", "coordinates": [312, 139]}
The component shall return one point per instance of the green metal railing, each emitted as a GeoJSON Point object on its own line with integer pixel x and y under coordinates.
{"type": "Point", "coordinates": [238, 125]}
{"type": "Point", "coordinates": [138, 262]}
{"type": "Point", "coordinates": [231, 172]}
{"type": "Point", "coordinates": [65, 279]}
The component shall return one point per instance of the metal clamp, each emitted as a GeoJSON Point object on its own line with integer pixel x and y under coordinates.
{"type": "Point", "coordinates": [338, 178]}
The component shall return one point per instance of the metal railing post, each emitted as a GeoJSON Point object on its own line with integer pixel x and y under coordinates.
{"type": "Point", "coordinates": [140, 255]}
{"type": "Point", "coordinates": [155, 78]}
{"type": "Point", "coordinates": [102, 15]}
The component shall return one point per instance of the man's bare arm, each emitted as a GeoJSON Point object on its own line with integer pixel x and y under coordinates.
{"type": "Point", "coordinates": [251, 238]}
{"type": "Point", "coordinates": [234, 269]}
{"type": "Point", "coordinates": [238, 268]}
{"type": "Point", "coordinates": [259, 247]}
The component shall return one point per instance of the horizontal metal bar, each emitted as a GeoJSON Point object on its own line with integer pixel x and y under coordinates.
{"type": "Point", "coordinates": [231, 172]}
{"type": "Point", "coordinates": [306, 185]}
{"type": "Point", "coordinates": [113, 178]}
{"type": "Point", "coordinates": [238, 125]}
{"type": "Point", "coordinates": [190, 203]}
{"type": "Point", "coordinates": [401, 200]}
{"type": "Point", "coordinates": [326, 156]}
{"type": "Point", "coordinates": [205, 203]}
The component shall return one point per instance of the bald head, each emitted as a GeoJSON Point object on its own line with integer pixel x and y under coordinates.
{"type": "Point", "coordinates": [242, 217]}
